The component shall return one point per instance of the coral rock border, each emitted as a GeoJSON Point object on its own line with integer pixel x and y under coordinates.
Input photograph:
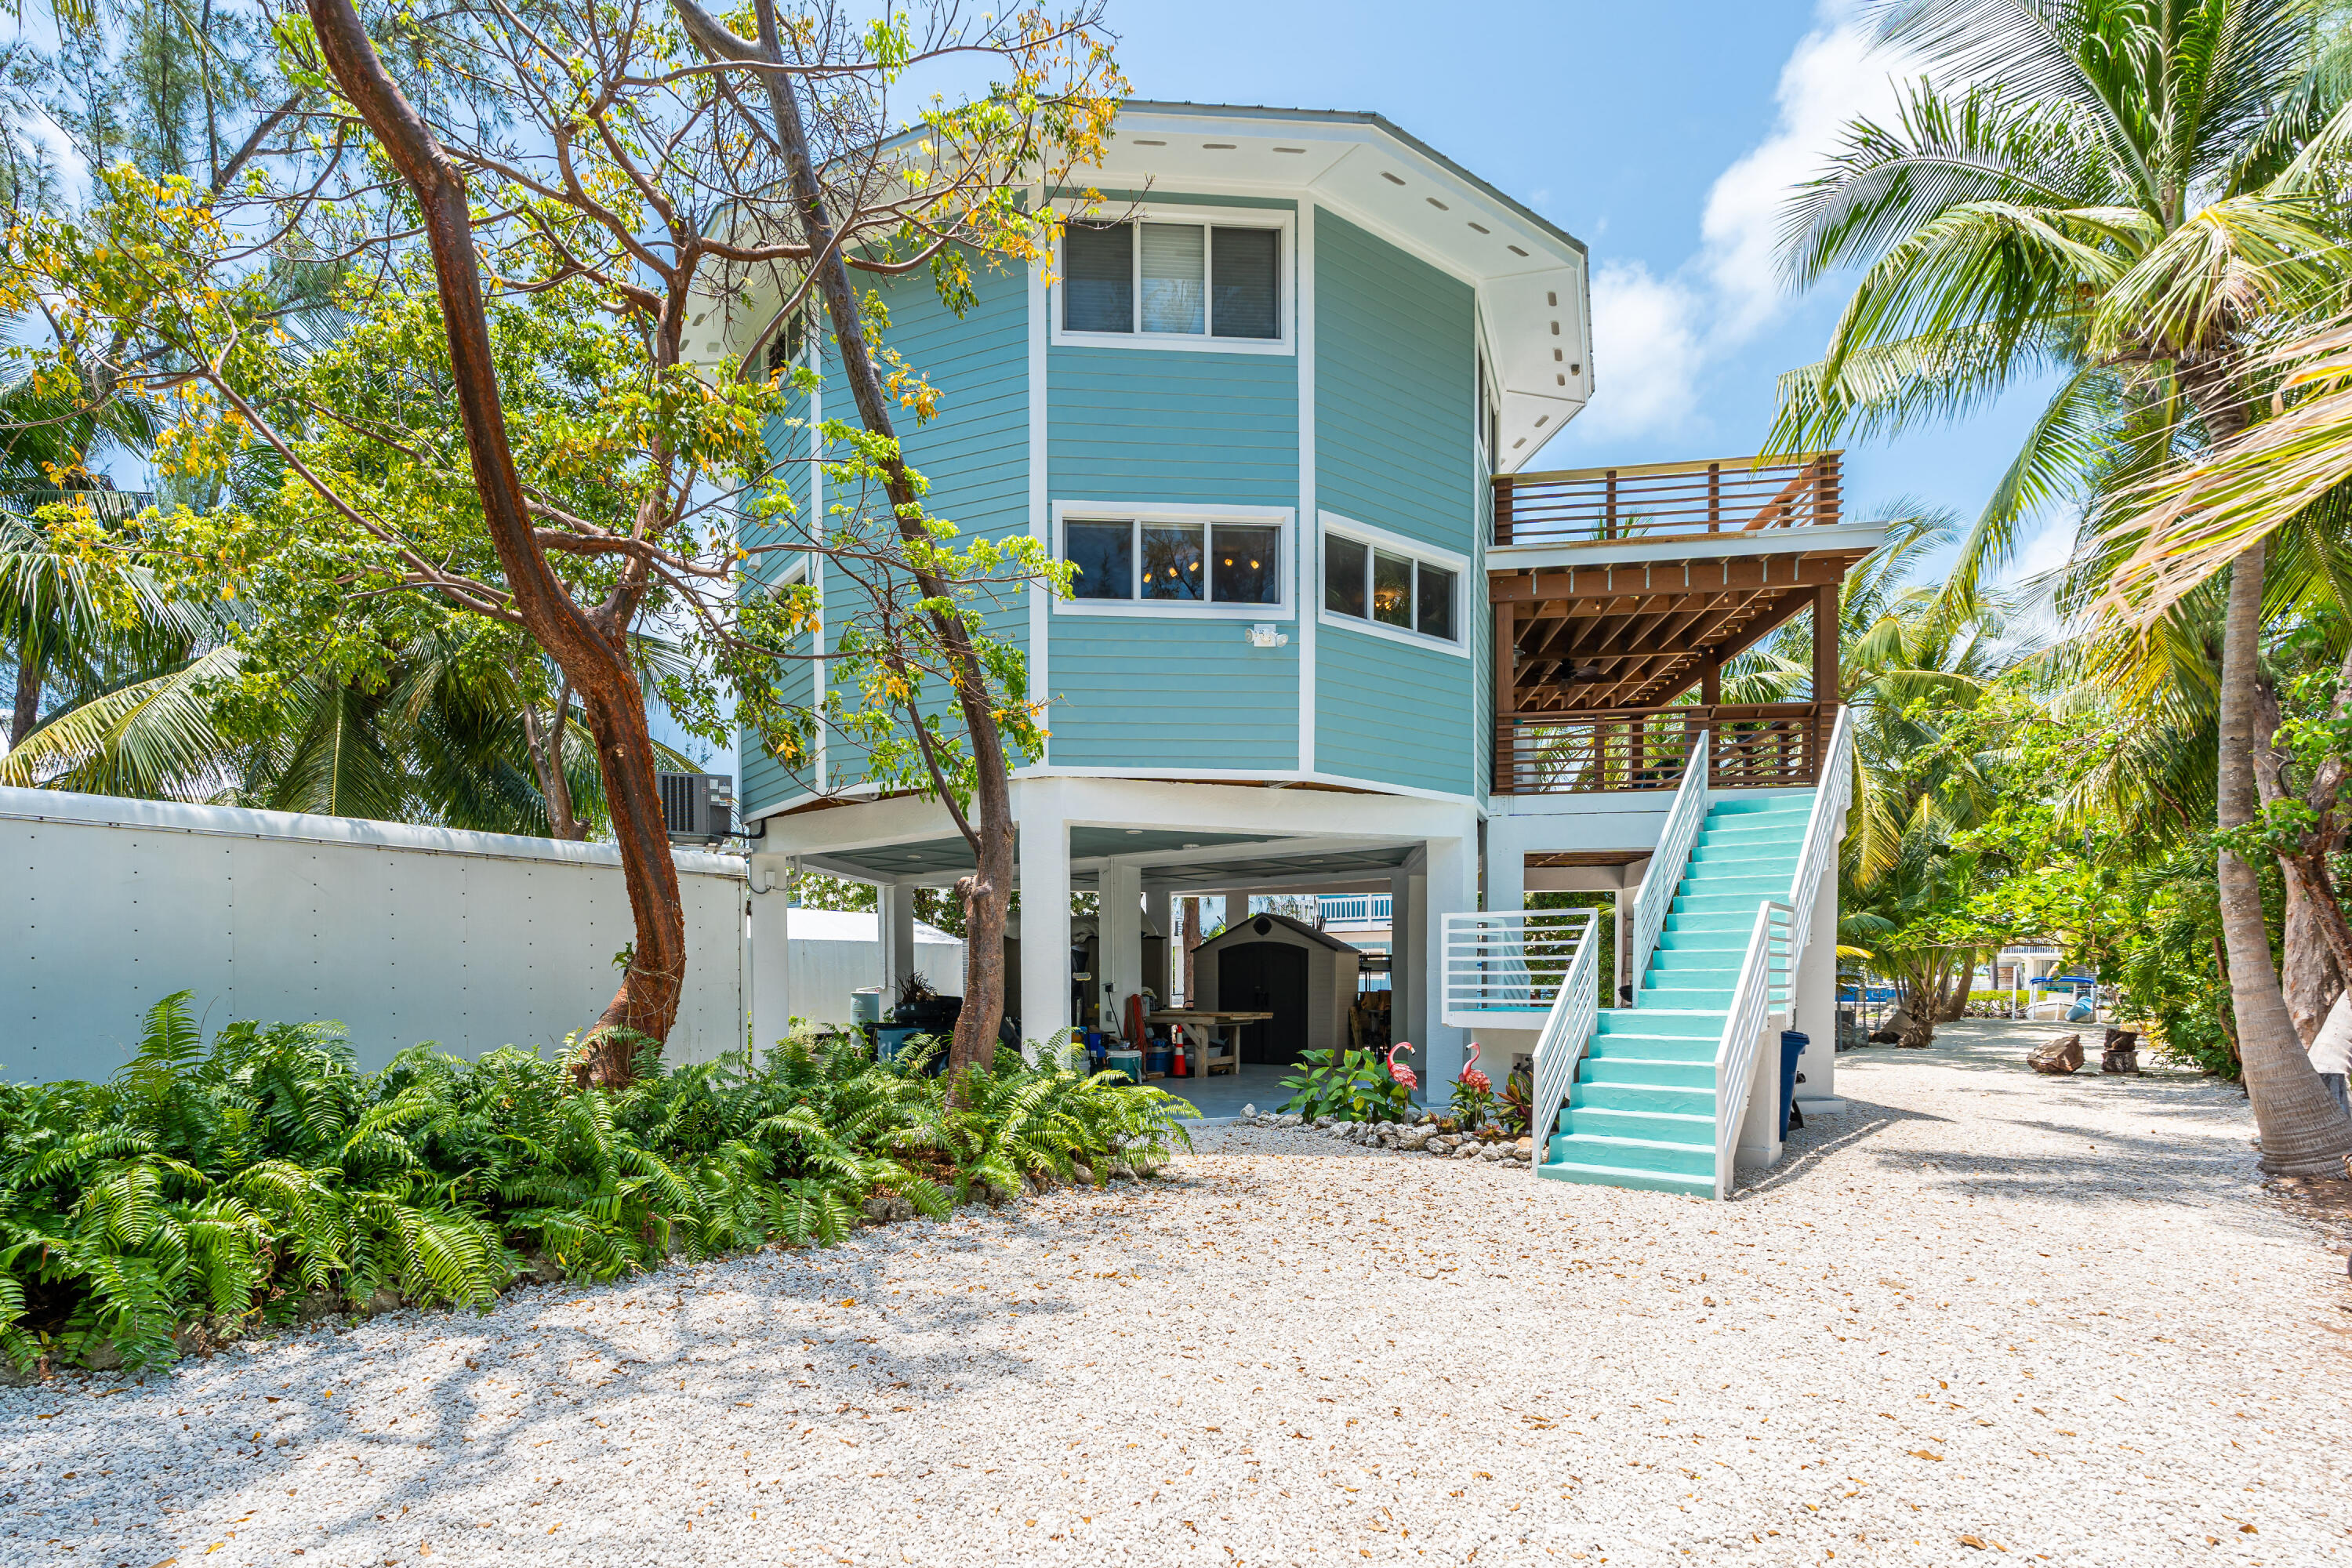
{"type": "Point", "coordinates": [1426, 1136]}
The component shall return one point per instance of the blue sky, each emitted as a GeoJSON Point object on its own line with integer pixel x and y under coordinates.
{"type": "Point", "coordinates": [1662, 136]}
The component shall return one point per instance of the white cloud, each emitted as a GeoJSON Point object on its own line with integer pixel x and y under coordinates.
{"type": "Point", "coordinates": [1654, 337]}
{"type": "Point", "coordinates": [1645, 331]}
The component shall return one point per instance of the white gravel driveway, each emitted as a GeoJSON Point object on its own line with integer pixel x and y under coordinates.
{"type": "Point", "coordinates": [2054, 1318]}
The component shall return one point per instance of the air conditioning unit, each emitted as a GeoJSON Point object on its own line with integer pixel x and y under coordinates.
{"type": "Point", "coordinates": [698, 808]}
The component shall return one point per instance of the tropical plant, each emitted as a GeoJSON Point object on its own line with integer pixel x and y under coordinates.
{"type": "Point", "coordinates": [1356, 1086]}
{"type": "Point", "coordinates": [211, 1184]}
{"type": "Point", "coordinates": [2125, 194]}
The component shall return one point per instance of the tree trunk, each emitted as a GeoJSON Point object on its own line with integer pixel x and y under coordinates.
{"type": "Point", "coordinates": [592, 649]}
{"type": "Point", "coordinates": [987, 889]}
{"type": "Point", "coordinates": [546, 747]}
{"type": "Point", "coordinates": [2303, 1132]}
{"type": "Point", "coordinates": [1192, 941]}
{"type": "Point", "coordinates": [29, 663]}
{"type": "Point", "coordinates": [2309, 979]}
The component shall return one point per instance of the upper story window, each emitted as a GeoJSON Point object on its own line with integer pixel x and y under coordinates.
{"type": "Point", "coordinates": [1380, 581]}
{"type": "Point", "coordinates": [1168, 281]}
{"type": "Point", "coordinates": [1176, 560]}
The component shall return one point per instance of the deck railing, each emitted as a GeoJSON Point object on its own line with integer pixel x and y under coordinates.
{"type": "Point", "coordinates": [1749, 746]}
{"type": "Point", "coordinates": [1664, 500]}
{"type": "Point", "coordinates": [1505, 968]}
{"type": "Point", "coordinates": [1356, 908]}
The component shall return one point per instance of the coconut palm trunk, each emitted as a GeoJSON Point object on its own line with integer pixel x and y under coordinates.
{"type": "Point", "coordinates": [2303, 1132]}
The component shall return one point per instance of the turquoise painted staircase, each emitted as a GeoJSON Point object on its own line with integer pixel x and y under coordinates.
{"type": "Point", "coordinates": [1642, 1110]}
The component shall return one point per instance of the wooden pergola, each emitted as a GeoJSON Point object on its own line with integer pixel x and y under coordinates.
{"type": "Point", "coordinates": [1648, 581]}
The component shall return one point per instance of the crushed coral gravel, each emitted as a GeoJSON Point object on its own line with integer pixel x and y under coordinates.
{"type": "Point", "coordinates": [2054, 1317]}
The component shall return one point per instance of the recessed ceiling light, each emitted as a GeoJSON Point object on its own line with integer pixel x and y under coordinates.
{"type": "Point", "coordinates": [1481, 228]}
{"type": "Point", "coordinates": [1552, 299]}
{"type": "Point", "coordinates": [1441, 206]}
{"type": "Point", "coordinates": [1140, 142]}
{"type": "Point", "coordinates": [1134, 830]}
{"type": "Point", "coordinates": [1217, 146]}
{"type": "Point", "coordinates": [1515, 250]}
{"type": "Point", "coordinates": [914, 856]}
{"type": "Point", "coordinates": [1519, 443]}
{"type": "Point", "coordinates": [1391, 179]}
{"type": "Point", "coordinates": [1561, 379]}
{"type": "Point", "coordinates": [1290, 149]}
{"type": "Point", "coordinates": [1191, 847]}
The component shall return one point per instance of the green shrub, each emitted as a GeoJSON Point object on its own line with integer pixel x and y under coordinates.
{"type": "Point", "coordinates": [230, 1182]}
{"type": "Point", "coordinates": [1351, 1084]}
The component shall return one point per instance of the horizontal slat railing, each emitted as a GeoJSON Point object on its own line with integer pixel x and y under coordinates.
{"type": "Point", "coordinates": [1749, 746]}
{"type": "Point", "coordinates": [1505, 967]}
{"type": "Point", "coordinates": [1761, 991]}
{"type": "Point", "coordinates": [1664, 500]}
{"type": "Point", "coordinates": [1567, 1027]}
{"type": "Point", "coordinates": [1664, 878]}
{"type": "Point", "coordinates": [1350, 909]}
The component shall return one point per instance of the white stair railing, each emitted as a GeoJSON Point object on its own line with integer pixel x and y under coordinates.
{"type": "Point", "coordinates": [1762, 988]}
{"type": "Point", "coordinates": [1824, 830]}
{"type": "Point", "coordinates": [1505, 968]}
{"type": "Point", "coordinates": [1664, 874]}
{"type": "Point", "coordinates": [1567, 1030]}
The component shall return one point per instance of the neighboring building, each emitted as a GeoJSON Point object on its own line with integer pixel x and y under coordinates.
{"type": "Point", "coordinates": [1327, 638]}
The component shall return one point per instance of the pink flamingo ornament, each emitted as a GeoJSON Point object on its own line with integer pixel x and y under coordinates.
{"type": "Point", "coordinates": [1472, 1077]}
{"type": "Point", "coordinates": [1402, 1075]}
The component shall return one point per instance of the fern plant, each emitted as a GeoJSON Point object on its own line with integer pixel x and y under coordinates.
{"type": "Point", "coordinates": [240, 1177]}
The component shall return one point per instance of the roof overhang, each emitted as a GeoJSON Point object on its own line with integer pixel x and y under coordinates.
{"type": "Point", "coordinates": [1532, 277]}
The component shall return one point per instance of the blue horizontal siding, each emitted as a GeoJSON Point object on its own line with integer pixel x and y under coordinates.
{"type": "Point", "coordinates": [1172, 428]}
{"type": "Point", "coordinates": [1148, 693]}
{"type": "Point", "coordinates": [1387, 712]}
{"type": "Point", "coordinates": [973, 457]}
{"type": "Point", "coordinates": [1394, 345]}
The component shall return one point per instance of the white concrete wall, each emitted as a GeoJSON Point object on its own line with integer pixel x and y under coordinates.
{"type": "Point", "coordinates": [401, 934]}
{"type": "Point", "coordinates": [834, 952]}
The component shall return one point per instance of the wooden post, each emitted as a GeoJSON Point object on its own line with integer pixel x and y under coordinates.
{"type": "Point", "coordinates": [1714, 497]}
{"type": "Point", "coordinates": [1608, 525]}
{"type": "Point", "coordinates": [1502, 509]}
{"type": "Point", "coordinates": [1825, 675]}
{"type": "Point", "coordinates": [1506, 693]}
{"type": "Point", "coordinates": [1710, 677]}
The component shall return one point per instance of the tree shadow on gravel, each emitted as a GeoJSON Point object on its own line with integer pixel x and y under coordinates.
{"type": "Point", "coordinates": [802, 1350]}
{"type": "Point", "coordinates": [1810, 1145]}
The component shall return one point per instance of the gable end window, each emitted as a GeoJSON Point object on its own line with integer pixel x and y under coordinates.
{"type": "Point", "coordinates": [1168, 284]}
{"type": "Point", "coordinates": [1383, 583]}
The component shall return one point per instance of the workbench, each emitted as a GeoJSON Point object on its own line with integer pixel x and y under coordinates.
{"type": "Point", "coordinates": [1218, 1032]}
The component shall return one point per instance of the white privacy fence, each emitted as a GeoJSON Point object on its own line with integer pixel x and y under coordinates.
{"type": "Point", "coordinates": [402, 934]}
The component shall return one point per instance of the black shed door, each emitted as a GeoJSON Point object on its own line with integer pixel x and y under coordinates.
{"type": "Point", "coordinates": [1267, 977]}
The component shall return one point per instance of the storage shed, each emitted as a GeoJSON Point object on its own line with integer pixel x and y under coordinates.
{"type": "Point", "coordinates": [1272, 964]}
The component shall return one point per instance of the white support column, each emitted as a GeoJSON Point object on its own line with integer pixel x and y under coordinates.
{"type": "Point", "coordinates": [1446, 883]}
{"type": "Point", "coordinates": [1816, 1003]}
{"type": "Point", "coordinates": [1507, 873]}
{"type": "Point", "coordinates": [1758, 1147]}
{"type": "Point", "coordinates": [1237, 909]}
{"type": "Point", "coordinates": [772, 959]}
{"type": "Point", "coordinates": [894, 925]}
{"type": "Point", "coordinates": [1405, 980]}
{"type": "Point", "coordinates": [1156, 976]}
{"type": "Point", "coordinates": [1624, 931]}
{"type": "Point", "coordinates": [1044, 852]}
{"type": "Point", "coordinates": [1120, 922]}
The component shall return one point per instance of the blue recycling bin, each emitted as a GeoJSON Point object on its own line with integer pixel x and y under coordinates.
{"type": "Point", "coordinates": [1793, 1045]}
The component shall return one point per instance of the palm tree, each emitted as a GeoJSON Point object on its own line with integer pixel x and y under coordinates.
{"type": "Point", "coordinates": [2125, 194]}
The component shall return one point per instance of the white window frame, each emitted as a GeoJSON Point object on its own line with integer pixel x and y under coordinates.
{"type": "Point", "coordinates": [1286, 571]}
{"type": "Point", "coordinates": [1347, 528]}
{"type": "Point", "coordinates": [1286, 277]}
